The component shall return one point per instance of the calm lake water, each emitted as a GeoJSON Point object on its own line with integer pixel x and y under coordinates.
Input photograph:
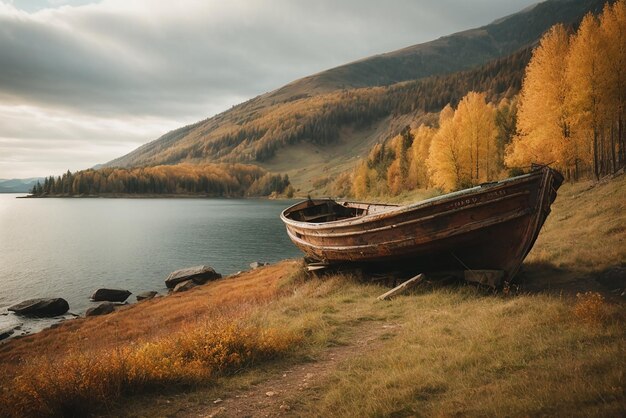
{"type": "Point", "coordinates": [70, 247]}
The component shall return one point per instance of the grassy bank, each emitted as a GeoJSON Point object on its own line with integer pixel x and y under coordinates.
{"type": "Point", "coordinates": [441, 350]}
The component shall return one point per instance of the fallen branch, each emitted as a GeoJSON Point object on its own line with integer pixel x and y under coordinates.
{"type": "Point", "coordinates": [403, 287]}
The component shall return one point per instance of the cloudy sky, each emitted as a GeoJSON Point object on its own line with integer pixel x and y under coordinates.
{"type": "Point", "coordinates": [84, 82]}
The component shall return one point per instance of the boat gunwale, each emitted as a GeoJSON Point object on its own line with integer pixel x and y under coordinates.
{"type": "Point", "coordinates": [446, 234]}
{"type": "Point", "coordinates": [320, 233]}
{"type": "Point", "coordinates": [398, 210]}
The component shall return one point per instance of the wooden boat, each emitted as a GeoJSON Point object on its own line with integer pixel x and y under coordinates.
{"type": "Point", "coordinates": [488, 227]}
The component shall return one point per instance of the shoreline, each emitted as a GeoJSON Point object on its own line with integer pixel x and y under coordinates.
{"type": "Point", "coordinates": [156, 196]}
{"type": "Point", "coordinates": [26, 326]}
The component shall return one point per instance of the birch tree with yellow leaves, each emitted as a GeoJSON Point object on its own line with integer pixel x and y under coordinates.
{"type": "Point", "coordinates": [418, 171]}
{"type": "Point", "coordinates": [542, 119]}
{"type": "Point", "coordinates": [585, 98]}
{"type": "Point", "coordinates": [463, 151]}
{"type": "Point", "coordinates": [444, 158]}
{"type": "Point", "coordinates": [476, 121]}
{"type": "Point", "coordinates": [613, 34]}
{"type": "Point", "coordinates": [571, 111]}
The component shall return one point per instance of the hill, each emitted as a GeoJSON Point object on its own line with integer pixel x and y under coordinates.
{"type": "Point", "coordinates": [18, 185]}
{"type": "Point", "coordinates": [272, 341]}
{"type": "Point", "coordinates": [447, 54]}
{"type": "Point", "coordinates": [341, 112]}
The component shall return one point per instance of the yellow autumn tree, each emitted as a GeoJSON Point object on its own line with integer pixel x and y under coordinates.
{"type": "Point", "coordinates": [585, 97]}
{"type": "Point", "coordinates": [506, 122]}
{"type": "Point", "coordinates": [360, 183]}
{"type": "Point", "coordinates": [418, 171]}
{"type": "Point", "coordinates": [613, 34]}
{"type": "Point", "coordinates": [398, 171]}
{"type": "Point", "coordinates": [395, 182]}
{"type": "Point", "coordinates": [444, 163]}
{"type": "Point", "coordinates": [476, 120]}
{"type": "Point", "coordinates": [543, 122]}
{"type": "Point", "coordinates": [464, 151]}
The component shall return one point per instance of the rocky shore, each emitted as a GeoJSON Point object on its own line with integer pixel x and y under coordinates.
{"type": "Point", "coordinates": [50, 312]}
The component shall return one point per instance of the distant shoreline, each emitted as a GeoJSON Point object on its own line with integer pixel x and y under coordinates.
{"type": "Point", "coordinates": [155, 196]}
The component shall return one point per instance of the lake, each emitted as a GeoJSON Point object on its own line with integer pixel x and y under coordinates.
{"type": "Point", "coordinates": [69, 247]}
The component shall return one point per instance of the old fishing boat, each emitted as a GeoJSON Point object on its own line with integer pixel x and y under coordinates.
{"type": "Point", "coordinates": [490, 227]}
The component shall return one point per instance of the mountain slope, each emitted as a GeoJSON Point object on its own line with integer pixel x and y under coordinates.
{"type": "Point", "coordinates": [337, 106]}
{"type": "Point", "coordinates": [448, 54]}
{"type": "Point", "coordinates": [18, 185]}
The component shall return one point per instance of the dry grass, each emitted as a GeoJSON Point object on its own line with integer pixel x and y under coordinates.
{"type": "Point", "coordinates": [182, 339]}
{"type": "Point", "coordinates": [439, 351]}
{"type": "Point", "coordinates": [591, 307]}
{"type": "Point", "coordinates": [587, 228]}
{"type": "Point", "coordinates": [74, 384]}
{"type": "Point", "coordinates": [151, 319]}
{"type": "Point", "coordinates": [447, 351]}
{"type": "Point", "coordinates": [457, 353]}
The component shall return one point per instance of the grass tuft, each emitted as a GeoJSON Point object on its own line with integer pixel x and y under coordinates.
{"type": "Point", "coordinates": [591, 307]}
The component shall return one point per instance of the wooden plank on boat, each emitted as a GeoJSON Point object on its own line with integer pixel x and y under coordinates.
{"type": "Point", "coordinates": [403, 287]}
{"type": "Point", "coordinates": [491, 278]}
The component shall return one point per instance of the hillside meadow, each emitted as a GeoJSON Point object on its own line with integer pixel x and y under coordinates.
{"type": "Point", "coordinates": [553, 344]}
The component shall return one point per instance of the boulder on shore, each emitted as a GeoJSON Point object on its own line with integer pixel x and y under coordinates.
{"type": "Point", "coordinates": [146, 295]}
{"type": "Point", "coordinates": [184, 286]}
{"type": "Point", "coordinates": [110, 295]}
{"type": "Point", "coordinates": [42, 307]}
{"type": "Point", "coordinates": [199, 275]}
{"type": "Point", "coordinates": [102, 309]}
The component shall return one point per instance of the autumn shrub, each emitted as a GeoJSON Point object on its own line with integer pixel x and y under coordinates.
{"type": "Point", "coordinates": [590, 307]}
{"type": "Point", "coordinates": [74, 384]}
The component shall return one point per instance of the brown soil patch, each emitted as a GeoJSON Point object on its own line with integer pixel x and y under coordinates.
{"type": "Point", "coordinates": [280, 393]}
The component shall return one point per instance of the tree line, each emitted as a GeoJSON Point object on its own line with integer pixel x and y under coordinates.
{"type": "Point", "coordinates": [572, 103]}
{"type": "Point", "coordinates": [465, 149]}
{"type": "Point", "coordinates": [216, 180]}
{"type": "Point", "coordinates": [569, 114]}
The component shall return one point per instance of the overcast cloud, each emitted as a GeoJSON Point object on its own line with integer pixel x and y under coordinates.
{"type": "Point", "coordinates": [82, 83]}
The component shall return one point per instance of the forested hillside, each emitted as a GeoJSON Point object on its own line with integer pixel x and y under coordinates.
{"type": "Point", "coordinates": [570, 114]}
{"type": "Point", "coordinates": [316, 109]}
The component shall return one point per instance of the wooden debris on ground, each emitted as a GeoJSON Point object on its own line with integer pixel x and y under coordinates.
{"type": "Point", "coordinates": [316, 266]}
{"type": "Point", "coordinates": [403, 287]}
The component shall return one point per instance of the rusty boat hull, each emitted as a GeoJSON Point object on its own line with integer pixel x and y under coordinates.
{"type": "Point", "coordinates": [489, 227]}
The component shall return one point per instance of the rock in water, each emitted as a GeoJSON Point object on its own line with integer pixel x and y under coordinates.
{"type": "Point", "coordinates": [146, 295]}
{"type": "Point", "coordinates": [102, 309]}
{"type": "Point", "coordinates": [255, 265]}
{"type": "Point", "coordinates": [184, 286]}
{"type": "Point", "coordinates": [199, 275]}
{"type": "Point", "coordinates": [7, 331]}
{"type": "Point", "coordinates": [41, 307]}
{"type": "Point", "coordinates": [110, 295]}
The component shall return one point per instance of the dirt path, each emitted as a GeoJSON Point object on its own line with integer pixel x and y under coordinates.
{"type": "Point", "coordinates": [272, 397]}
